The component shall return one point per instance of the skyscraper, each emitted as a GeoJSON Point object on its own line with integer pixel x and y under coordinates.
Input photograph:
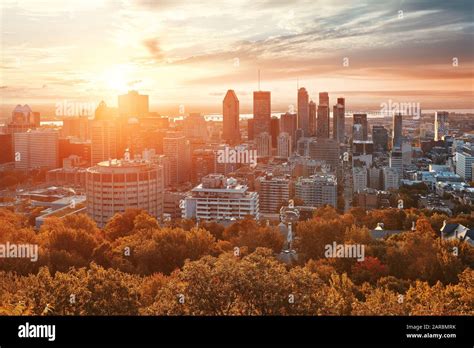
{"type": "Point", "coordinates": [324, 98]}
{"type": "Point", "coordinates": [441, 124]}
{"type": "Point", "coordinates": [36, 149]}
{"type": "Point", "coordinates": [175, 148]}
{"type": "Point", "coordinates": [397, 131]}
{"type": "Point", "coordinates": [323, 121]}
{"type": "Point", "coordinates": [261, 112]}
{"type": "Point", "coordinates": [312, 118]}
{"type": "Point", "coordinates": [303, 111]}
{"type": "Point", "coordinates": [274, 130]}
{"type": "Point", "coordinates": [288, 125]}
{"type": "Point", "coordinates": [380, 138]}
{"type": "Point", "coordinates": [284, 145]}
{"type": "Point", "coordinates": [264, 144]}
{"type": "Point", "coordinates": [231, 114]}
{"type": "Point", "coordinates": [133, 104]}
{"type": "Point", "coordinates": [360, 127]}
{"type": "Point", "coordinates": [339, 120]}
{"type": "Point", "coordinates": [104, 133]}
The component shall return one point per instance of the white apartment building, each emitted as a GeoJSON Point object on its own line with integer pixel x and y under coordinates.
{"type": "Point", "coordinates": [221, 199]}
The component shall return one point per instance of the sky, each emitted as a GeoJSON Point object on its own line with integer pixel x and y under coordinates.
{"type": "Point", "coordinates": [191, 52]}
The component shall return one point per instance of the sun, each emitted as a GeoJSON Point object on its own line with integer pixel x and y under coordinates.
{"type": "Point", "coordinates": [116, 78]}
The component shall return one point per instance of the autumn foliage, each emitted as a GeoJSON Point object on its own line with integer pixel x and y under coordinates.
{"type": "Point", "coordinates": [137, 266]}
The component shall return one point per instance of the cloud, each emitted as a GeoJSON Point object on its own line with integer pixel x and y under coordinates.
{"type": "Point", "coordinates": [153, 46]}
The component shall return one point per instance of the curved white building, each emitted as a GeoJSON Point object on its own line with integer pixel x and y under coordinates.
{"type": "Point", "coordinates": [115, 185]}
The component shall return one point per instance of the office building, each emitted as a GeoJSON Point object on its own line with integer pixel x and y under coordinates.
{"type": "Point", "coordinates": [441, 124]}
{"type": "Point", "coordinates": [303, 111]}
{"type": "Point", "coordinates": [317, 190]}
{"type": "Point", "coordinates": [339, 121]}
{"type": "Point", "coordinates": [397, 131]}
{"type": "Point", "coordinates": [312, 118]}
{"type": "Point", "coordinates": [36, 149]}
{"type": "Point", "coordinates": [324, 149]}
{"type": "Point", "coordinates": [391, 179]}
{"type": "Point", "coordinates": [176, 149]}
{"type": "Point", "coordinates": [263, 142]}
{"type": "Point", "coordinates": [380, 138]}
{"type": "Point", "coordinates": [360, 178]}
{"type": "Point", "coordinates": [261, 112]}
{"type": "Point", "coordinates": [360, 127]}
{"type": "Point", "coordinates": [133, 105]}
{"type": "Point", "coordinates": [284, 145]}
{"type": "Point", "coordinates": [231, 117]}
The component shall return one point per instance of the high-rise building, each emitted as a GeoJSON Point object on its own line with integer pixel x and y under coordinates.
{"type": "Point", "coordinates": [380, 138]}
{"type": "Point", "coordinates": [105, 135]}
{"type": "Point", "coordinates": [6, 144]}
{"type": "Point", "coordinates": [397, 131]}
{"type": "Point", "coordinates": [203, 162]}
{"type": "Point", "coordinates": [284, 145]}
{"type": "Point", "coordinates": [261, 112]}
{"type": "Point", "coordinates": [317, 190]}
{"type": "Point", "coordinates": [272, 192]}
{"type": "Point", "coordinates": [359, 176]}
{"type": "Point", "coordinates": [396, 162]}
{"type": "Point", "coordinates": [391, 179]}
{"type": "Point", "coordinates": [220, 199]}
{"type": "Point", "coordinates": [75, 127]}
{"type": "Point", "coordinates": [407, 155]}
{"type": "Point", "coordinates": [116, 185]}
{"type": "Point", "coordinates": [195, 126]}
{"type": "Point", "coordinates": [324, 98]}
{"type": "Point", "coordinates": [36, 149]}
{"type": "Point", "coordinates": [274, 130]}
{"type": "Point", "coordinates": [288, 125]}
{"type": "Point", "coordinates": [375, 178]}
{"type": "Point", "coordinates": [133, 105]}
{"type": "Point", "coordinates": [324, 149]}
{"type": "Point", "coordinates": [322, 128]}
{"type": "Point", "coordinates": [441, 124]}
{"type": "Point", "coordinates": [339, 120]}
{"type": "Point", "coordinates": [250, 129]}
{"type": "Point", "coordinates": [176, 149]}
{"type": "Point", "coordinates": [312, 118]}
{"type": "Point", "coordinates": [464, 161]}
{"type": "Point", "coordinates": [263, 142]}
{"type": "Point", "coordinates": [231, 116]}
{"type": "Point", "coordinates": [360, 127]}
{"type": "Point", "coordinates": [303, 111]}
{"type": "Point", "coordinates": [23, 118]}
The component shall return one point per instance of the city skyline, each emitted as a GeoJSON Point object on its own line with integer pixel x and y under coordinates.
{"type": "Point", "coordinates": [190, 54]}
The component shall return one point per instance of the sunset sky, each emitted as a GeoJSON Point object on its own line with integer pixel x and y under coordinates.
{"type": "Point", "coordinates": [191, 52]}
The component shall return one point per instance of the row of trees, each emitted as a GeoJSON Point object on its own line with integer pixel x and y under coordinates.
{"type": "Point", "coordinates": [256, 284]}
{"type": "Point", "coordinates": [135, 266]}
